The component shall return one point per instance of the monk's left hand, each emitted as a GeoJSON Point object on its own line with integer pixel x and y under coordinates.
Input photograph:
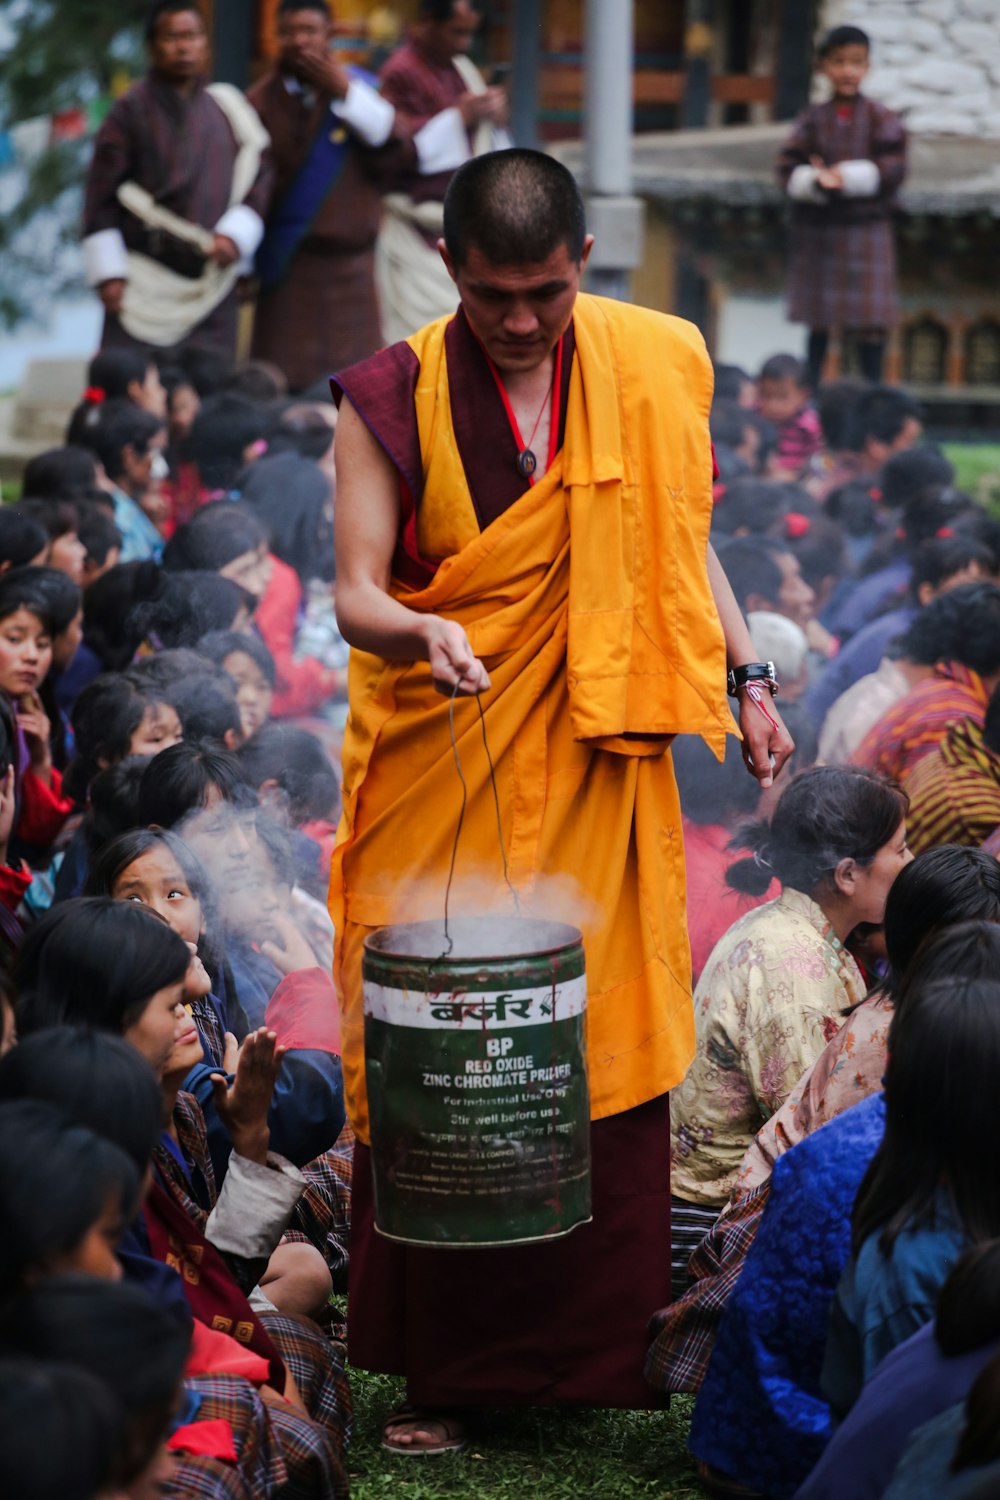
{"type": "Point", "coordinates": [224, 250]}
{"type": "Point", "coordinates": [766, 742]}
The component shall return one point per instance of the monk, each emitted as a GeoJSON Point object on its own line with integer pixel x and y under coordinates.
{"type": "Point", "coordinates": [524, 495]}
{"type": "Point", "coordinates": [336, 144]}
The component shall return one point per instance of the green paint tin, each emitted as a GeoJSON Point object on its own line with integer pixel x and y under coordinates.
{"type": "Point", "coordinates": [475, 1060]}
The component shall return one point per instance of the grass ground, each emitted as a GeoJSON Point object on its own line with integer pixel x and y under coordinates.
{"type": "Point", "coordinates": [528, 1455]}
{"type": "Point", "coordinates": [977, 468]}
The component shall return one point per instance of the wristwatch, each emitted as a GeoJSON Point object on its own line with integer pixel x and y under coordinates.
{"type": "Point", "coordinates": [752, 671]}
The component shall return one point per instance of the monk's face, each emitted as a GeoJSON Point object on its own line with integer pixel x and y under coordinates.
{"type": "Point", "coordinates": [518, 313]}
{"type": "Point", "coordinates": [179, 49]}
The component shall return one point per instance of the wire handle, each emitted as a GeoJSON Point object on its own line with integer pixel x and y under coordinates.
{"type": "Point", "coordinates": [461, 815]}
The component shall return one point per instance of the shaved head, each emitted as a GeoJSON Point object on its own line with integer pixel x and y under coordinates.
{"type": "Point", "coordinates": [516, 207]}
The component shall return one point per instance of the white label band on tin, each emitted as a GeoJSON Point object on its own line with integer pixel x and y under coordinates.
{"type": "Point", "coordinates": [463, 1011]}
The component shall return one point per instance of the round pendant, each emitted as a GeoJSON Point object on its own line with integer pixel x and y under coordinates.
{"type": "Point", "coordinates": [527, 463]}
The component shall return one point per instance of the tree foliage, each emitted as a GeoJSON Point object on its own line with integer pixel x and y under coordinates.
{"type": "Point", "coordinates": [63, 55]}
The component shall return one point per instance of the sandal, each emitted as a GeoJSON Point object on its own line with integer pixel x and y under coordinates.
{"type": "Point", "coordinates": [453, 1441]}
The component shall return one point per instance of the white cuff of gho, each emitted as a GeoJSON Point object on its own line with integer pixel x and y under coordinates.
{"type": "Point", "coordinates": [105, 257]}
{"type": "Point", "coordinates": [369, 115]}
{"type": "Point", "coordinates": [254, 1206]}
{"type": "Point", "coordinates": [860, 178]}
{"type": "Point", "coordinates": [443, 143]}
{"type": "Point", "coordinates": [245, 227]}
{"type": "Point", "coordinates": [802, 185]}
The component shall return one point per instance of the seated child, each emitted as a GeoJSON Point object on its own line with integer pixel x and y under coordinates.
{"type": "Point", "coordinates": [783, 397]}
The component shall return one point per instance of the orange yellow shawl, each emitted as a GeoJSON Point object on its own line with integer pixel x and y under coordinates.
{"type": "Point", "coordinates": [589, 603]}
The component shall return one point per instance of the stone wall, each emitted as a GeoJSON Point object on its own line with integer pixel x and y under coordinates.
{"type": "Point", "coordinates": [935, 61]}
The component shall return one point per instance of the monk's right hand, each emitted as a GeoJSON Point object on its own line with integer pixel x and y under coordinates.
{"type": "Point", "coordinates": [112, 294]}
{"type": "Point", "coordinates": [452, 660]}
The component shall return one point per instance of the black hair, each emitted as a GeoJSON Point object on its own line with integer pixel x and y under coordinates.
{"type": "Point", "coordinates": [118, 1333]}
{"type": "Point", "coordinates": [177, 782]}
{"type": "Point", "coordinates": [968, 1307]}
{"type": "Point", "coordinates": [291, 497]}
{"type": "Point", "coordinates": [55, 1181]}
{"type": "Point", "coordinates": [160, 8]}
{"type": "Point", "coordinates": [58, 517]}
{"type": "Point", "coordinates": [55, 591]}
{"type": "Point", "coordinates": [278, 847]}
{"type": "Point", "coordinates": [219, 645]}
{"type": "Point", "coordinates": [120, 425]}
{"type": "Point", "coordinates": [940, 888]}
{"type": "Point", "coordinates": [302, 430]}
{"type": "Point", "coordinates": [114, 857]}
{"type": "Point", "coordinates": [111, 626]}
{"type": "Point", "coordinates": [991, 724]}
{"type": "Point", "coordinates": [220, 434]}
{"type": "Point", "coordinates": [784, 367]}
{"type": "Point", "coordinates": [296, 760]}
{"type": "Point", "coordinates": [99, 1080]}
{"type": "Point", "coordinates": [729, 382]}
{"type": "Point", "coordinates": [60, 1430]}
{"type": "Point", "coordinates": [105, 716]}
{"type": "Point", "coordinates": [821, 551]}
{"type": "Point", "coordinates": [114, 798]}
{"type": "Point", "coordinates": [961, 625]}
{"type": "Point", "coordinates": [16, 593]}
{"type": "Point", "coordinates": [161, 672]}
{"type": "Point", "coordinates": [756, 505]}
{"type": "Point", "coordinates": [95, 962]}
{"type": "Point", "coordinates": [217, 534]}
{"type": "Point", "coordinates": [974, 525]}
{"type": "Point", "coordinates": [516, 207]}
{"type": "Point", "coordinates": [443, 10]}
{"type": "Point", "coordinates": [21, 537]}
{"type": "Point", "coordinates": [978, 1446]}
{"type": "Point", "coordinates": [944, 1041]}
{"type": "Point", "coordinates": [825, 815]}
{"type": "Point", "coordinates": [751, 566]}
{"type": "Point", "coordinates": [8, 748]}
{"type": "Point", "coordinates": [728, 422]}
{"type": "Point", "coordinates": [114, 370]}
{"type": "Point", "coordinates": [882, 412]}
{"type": "Point", "coordinates": [188, 606]}
{"type": "Point", "coordinates": [98, 533]}
{"type": "Point", "coordinates": [710, 791]}
{"type": "Point", "coordinates": [936, 561]}
{"type": "Point", "coordinates": [64, 473]}
{"type": "Point", "coordinates": [843, 36]}
{"type": "Point", "coordinates": [207, 708]}
{"type": "Point", "coordinates": [837, 403]}
{"type": "Point", "coordinates": [259, 380]}
{"type": "Point", "coordinates": [206, 370]}
{"type": "Point", "coordinates": [914, 472]}
{"type": "Point", "coordinates": [285, 6]}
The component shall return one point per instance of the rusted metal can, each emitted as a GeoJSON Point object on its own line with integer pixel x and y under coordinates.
{"type": "Point", "coordinates": [475, 1061]}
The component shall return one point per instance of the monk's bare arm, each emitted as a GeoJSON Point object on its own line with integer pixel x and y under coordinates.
{"type": "Point", "coordinates": [761, 740]}
{"type": "Point", "coordinates": [366, 528]}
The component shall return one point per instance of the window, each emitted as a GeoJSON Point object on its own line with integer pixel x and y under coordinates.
{"type": "Point", "coordinates": [925, 351]}
{"type": "Point", "coordinates": [982, 353]}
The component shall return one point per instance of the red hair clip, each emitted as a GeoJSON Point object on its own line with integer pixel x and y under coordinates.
{"type": "Point", "coordinates": [95, 395]}
{"type": "Point", "coordinates": [797, 525]}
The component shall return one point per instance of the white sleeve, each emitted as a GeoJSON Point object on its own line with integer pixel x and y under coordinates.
{"type": "Point", "coordinates": [443, 143]}
{"type": "Point", "coordinates": [105, 257]}
{"type": "Point", "coordinates": [802, 185]}
{"type": "Point", "coordinates": [861, 178]}
{"type": "Point", "coordinates": [502, 139]}
{"type": "Point", "coordinates": [245, 227]}
{"type": "Point", "coordinates": [369, 115]}
{"type": "Point", "coordinates": [254, 1206]}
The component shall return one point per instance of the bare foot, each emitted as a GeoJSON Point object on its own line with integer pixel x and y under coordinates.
{"type": "Point", "coordinates": [422, 1433]}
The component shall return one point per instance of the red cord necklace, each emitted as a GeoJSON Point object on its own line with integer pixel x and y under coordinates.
{"type": "Point", "coordinates": [527, 461]}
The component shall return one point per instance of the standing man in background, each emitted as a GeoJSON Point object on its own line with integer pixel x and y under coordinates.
{"type": "Point", "coordinates": [335, 144]}
{"type": "Point", "coordinates": [455, 116]}
{"type": "Point", "coordinates": [176, 195]}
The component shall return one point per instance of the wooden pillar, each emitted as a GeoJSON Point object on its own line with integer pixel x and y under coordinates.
{"type": "Point", "coordinates": [794, 64]}
{"type": "Point", "coordinates": [699, 42]}
{"type": "Point", "coordinates": [234, 25]}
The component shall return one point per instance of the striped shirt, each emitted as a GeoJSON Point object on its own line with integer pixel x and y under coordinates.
{"type": "Point", "coordinates": [954, 791]}
{"type": "Point", "coordinates": [918, 723]}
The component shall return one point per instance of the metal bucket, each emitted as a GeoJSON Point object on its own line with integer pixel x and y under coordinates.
{"type": "Point", "coordinates": [477, 1081]}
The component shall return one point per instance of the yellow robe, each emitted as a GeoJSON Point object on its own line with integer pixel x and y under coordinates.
{"type": "Point", "coordinates": [588, 601]}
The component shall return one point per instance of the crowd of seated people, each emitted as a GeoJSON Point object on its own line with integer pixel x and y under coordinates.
{"type": "Point", "coordinates": [174, 1162]}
